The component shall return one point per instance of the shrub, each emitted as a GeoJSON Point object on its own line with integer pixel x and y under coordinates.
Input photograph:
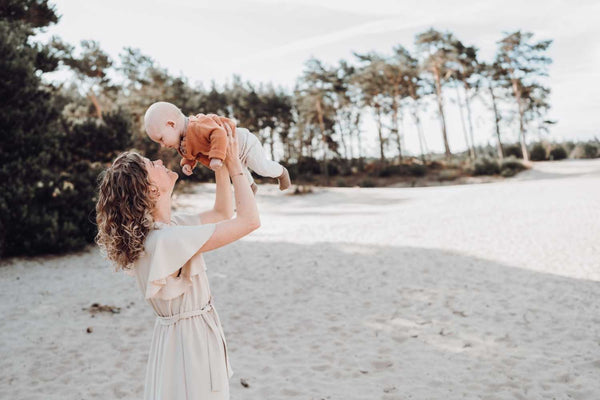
{"type": "Point", "coordinates": [394, 170]}
{"type": "Point", "coordinates": [308, 165]}
{"type": "Point", "coordinates": [569, 146]}
{"type": "Point", "coordinates": [485, 166]}
{"type": "Point", "coordinates": [511, 166]}
{"type": "Point", "coordinates": [538, 153]}
{"type": "Point", "coordinates": [513, 150]}
{"type": "Point", "coordinates": [338, 166]}
{"type": "Point", "coordinates": [417, 170]}
{"type": "Point", "coordinates": [332, 168]}
{"type": "Point", "coordinates": [340, 182]}
{"type": "Point", "coordinates": [434, 165]}
{"type": "Point", "coordinates": [448, 175]}
{"type": "Point", "coordinates": [558, 153]}
{"type": "Point", "coordinates": [585, 150]}
{"type": "Point", "coordinates": [590, 150]}
{"type": "Point", "coordinates": [403, 170]}
{"type": "Point", "coordinates": [367, 182]}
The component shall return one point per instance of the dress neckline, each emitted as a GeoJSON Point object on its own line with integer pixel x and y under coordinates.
{"type": "Point", "coordinates": [160, 224]}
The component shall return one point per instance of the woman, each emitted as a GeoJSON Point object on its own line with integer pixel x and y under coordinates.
{"type": "Point", "coordinates": [188, 355]}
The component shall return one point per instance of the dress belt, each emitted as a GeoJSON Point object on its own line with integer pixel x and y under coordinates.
{"type": "Point", "coordinates": [170, 320]}
{"type": "Point", "coordinates": [215, 372]}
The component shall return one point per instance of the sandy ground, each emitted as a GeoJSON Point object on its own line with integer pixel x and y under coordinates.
{"type": "Point", "coordinates": [488, 291]}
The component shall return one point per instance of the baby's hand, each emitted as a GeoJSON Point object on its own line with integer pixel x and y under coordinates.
{"type": "Point", "coordinates": [216, 164]}
{"type": "Point", "coordinates": [187, 169]}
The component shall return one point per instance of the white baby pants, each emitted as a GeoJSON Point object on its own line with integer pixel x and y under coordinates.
{"type": "Point", "coordinates": [253, 155]}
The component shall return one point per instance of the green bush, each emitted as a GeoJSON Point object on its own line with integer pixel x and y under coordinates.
{"type": "Point", "coordinates": [394, 170]}
{"type": "Point", "coordinates": [332, 168]}
{"type": "Point", "coordinates": [448, 175]}
{"type": "Point", "coordinates": [584, 150]}
{"type": "Point", "coordinates": [485, 166]}
{"type": "Point", "coordinates": [558, 153]}
{"type": "Point", "coordinates": [538, 153]}
{"type": "Point", "coordinates": [338, 166]}
{"type": "Point", "coordinates": [511, 166]}
{"type": "Point", "coordinates": [590, 150]}
{"type": "Point", "coordinates": [513, 150]}
{"type": "Point", "coordinates": [403, 170]}
{"type": "Point", "coordinates": [367, 183]}
{"type": "Point", "coordinates": [50, 207]}
{"type": "Point", "coordinates": [417, 170]}
{"type": "Point", "coordinates": [308, 165]}
{"type": "Point", "coordinates": [341, 182]}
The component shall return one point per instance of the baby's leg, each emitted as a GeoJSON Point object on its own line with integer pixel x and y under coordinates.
{"type": "Point", "coordinates": [258, 162]}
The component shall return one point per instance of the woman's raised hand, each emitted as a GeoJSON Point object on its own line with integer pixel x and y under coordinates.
{"type": "Point", "coordinates": [232, 159]}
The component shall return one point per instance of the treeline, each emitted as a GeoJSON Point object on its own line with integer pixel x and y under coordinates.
{"type": "Point", "coordinates": [322, 117]}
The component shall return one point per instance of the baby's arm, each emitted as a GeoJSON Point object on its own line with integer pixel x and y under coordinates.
{"type": "Point", "coordinates": [218, 143]}
{"type": "Point", "coordinates": [203, 159]}
{"type": "Point", "coordinates": [187, 165]}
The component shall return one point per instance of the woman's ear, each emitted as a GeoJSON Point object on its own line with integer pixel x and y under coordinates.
{"type": "Point", "coordinates": [154, 191]}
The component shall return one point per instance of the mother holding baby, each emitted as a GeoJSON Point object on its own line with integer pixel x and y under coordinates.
{"type": "Point", "coordinates": [188, 356]}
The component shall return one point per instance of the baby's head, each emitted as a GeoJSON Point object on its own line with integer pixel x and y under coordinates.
{"type": "Point", "coordinates": [164, 124]}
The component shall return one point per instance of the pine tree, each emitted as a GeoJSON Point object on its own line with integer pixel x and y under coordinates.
{"type": "Point", "coordinates": [522, 63]}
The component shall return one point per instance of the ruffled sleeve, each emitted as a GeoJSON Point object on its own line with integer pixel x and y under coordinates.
{"type": "Point", "coordinates": [171, 248]}
{"type": "Point", "coordinates": [186, 219]}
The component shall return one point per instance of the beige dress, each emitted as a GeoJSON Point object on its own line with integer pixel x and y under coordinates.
{"type": "Point", "coordinates": [188, 356]}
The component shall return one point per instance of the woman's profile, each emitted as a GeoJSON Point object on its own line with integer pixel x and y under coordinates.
{"type": "Point", "coordinates": [188, 356]}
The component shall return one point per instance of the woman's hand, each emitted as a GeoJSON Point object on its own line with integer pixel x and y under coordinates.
{"type": "Point", "coordinates": [232, 158]}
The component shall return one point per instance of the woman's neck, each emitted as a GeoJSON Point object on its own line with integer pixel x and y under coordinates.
{"type": "Point", "coordinates": [162, 209]}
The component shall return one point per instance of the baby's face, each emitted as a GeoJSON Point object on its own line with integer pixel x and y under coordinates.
{"type": "Point", "coordinates": [166, 136]}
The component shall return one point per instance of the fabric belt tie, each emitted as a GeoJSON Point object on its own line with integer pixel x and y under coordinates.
{"type": "Point", "coordinates": [215, 372]}
{"type": "Point", "coordinates": [170, 320]}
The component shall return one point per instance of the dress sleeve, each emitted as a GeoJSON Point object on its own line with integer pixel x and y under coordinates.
{"type": "Point", "coordinates": [186, 219]}
{"type": "Point", "coordinates": [172, 248]}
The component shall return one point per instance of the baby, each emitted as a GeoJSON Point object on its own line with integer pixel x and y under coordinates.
{"type": "Point", "coordinates": [204, 138]}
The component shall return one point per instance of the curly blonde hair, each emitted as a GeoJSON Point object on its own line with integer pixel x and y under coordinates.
{"type": "Point", "coordinates": [124, 210]}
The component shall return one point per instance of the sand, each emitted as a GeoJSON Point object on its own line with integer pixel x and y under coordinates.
{"type": "Point", "coordinates": [487, 291]}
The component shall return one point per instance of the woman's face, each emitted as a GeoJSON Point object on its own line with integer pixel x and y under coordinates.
{"type": "Point", "coordinates": [161, 176]}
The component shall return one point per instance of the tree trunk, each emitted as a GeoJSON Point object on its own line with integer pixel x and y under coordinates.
{"type": "Point", "coordinates": [323, 140]}
{"type": "Point", "coordinates": [440, 101]}
{"type": "Point", "coordinates": [415, 114]}
{"type": "Point", "coordinates": [497, 121]}
{"type": "Point", "coordinates": [358, 137]}
{"type": "Point", "coordinates": [96, 104]}
{"type": "Point", "coordinates": [468, 104]}
{"type": "Point", "coordinates": [379, 132]}
{"type": "Point", "coordinates": [521, 122]}
{"type": "Point", "coordinates": [341, 127]}
{"type": "Point", "coordinates": [350, 140]}
{"type": "Point", "coordinates": [396, 129]}
{"type": "Point", "coordinates": [464, 126]}
{"type": "Point", "coordinates": [272, 143]}
{"type": "Point", "coordinates": [288, 145]}
{"type": "Point", "coordinates": [522, 135]}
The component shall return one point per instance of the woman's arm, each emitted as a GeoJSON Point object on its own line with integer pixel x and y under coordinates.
{"type": "Point", "coordinates": [247, 218]}
{"type": "Point", "coordinates": [223, 208]}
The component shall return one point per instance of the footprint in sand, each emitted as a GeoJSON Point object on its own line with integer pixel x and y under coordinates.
{"type": "Point", "coordinates": [379, 365]}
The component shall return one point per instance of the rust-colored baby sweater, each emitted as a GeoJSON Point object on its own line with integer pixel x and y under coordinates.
{"type": "Point", "coordinates": [205, 138]}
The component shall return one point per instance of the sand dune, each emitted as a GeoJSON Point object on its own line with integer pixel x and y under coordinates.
{"type": "Point", "coordinates": [487, 291]}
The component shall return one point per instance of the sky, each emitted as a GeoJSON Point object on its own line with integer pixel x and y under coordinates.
{"type": "Point", "coordinates": [269, 41]}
